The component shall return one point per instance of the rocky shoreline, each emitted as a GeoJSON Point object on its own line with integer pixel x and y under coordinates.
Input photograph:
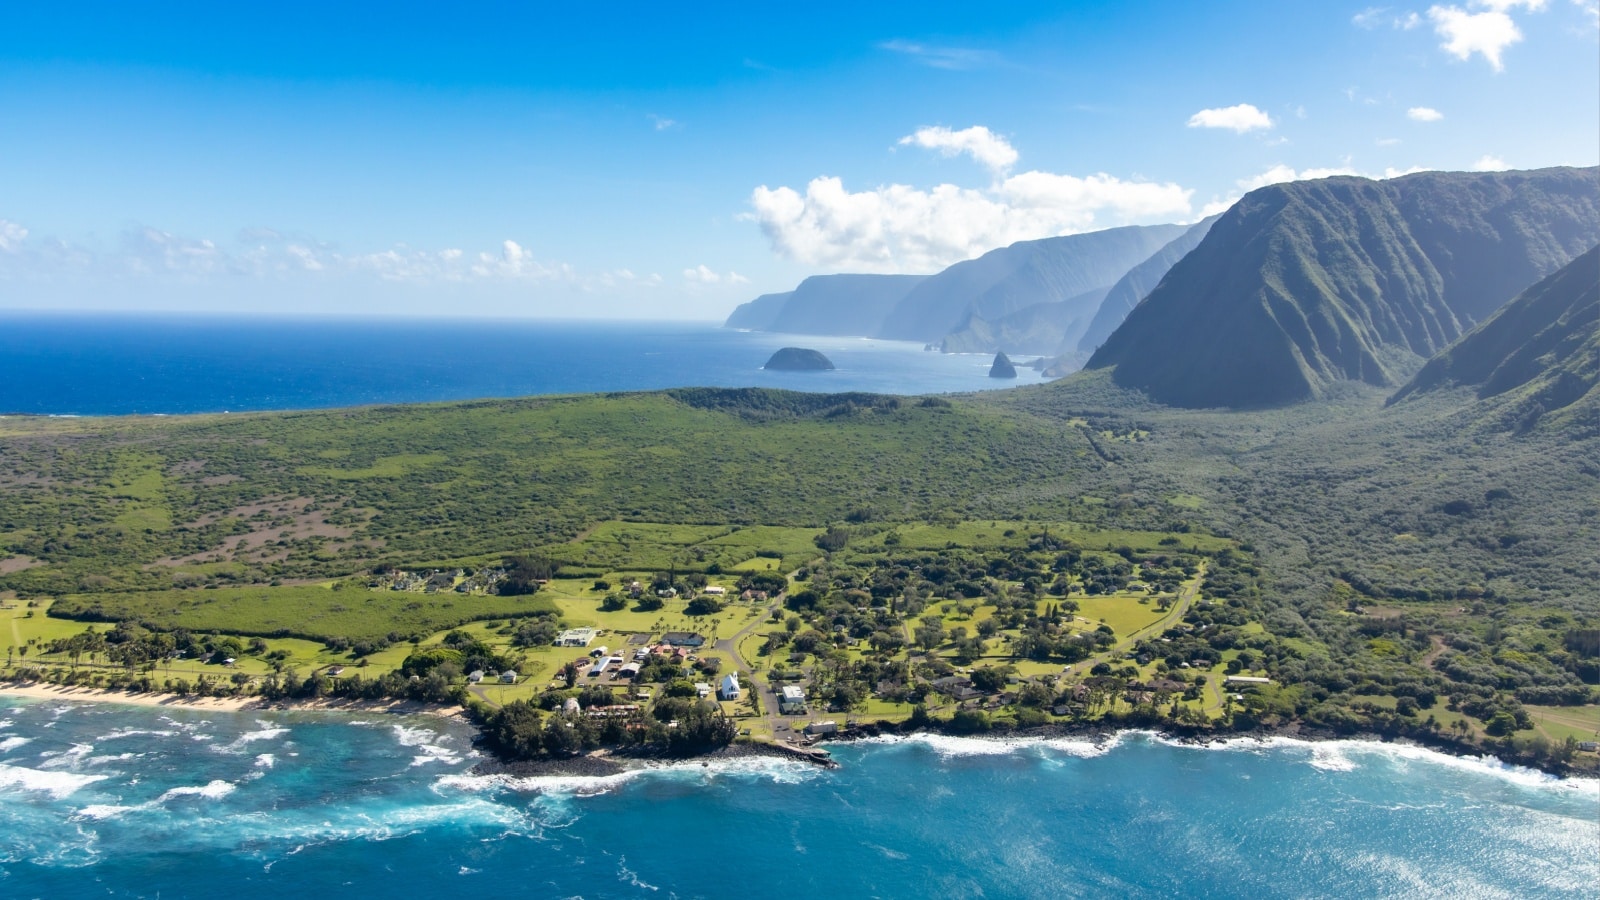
{"type": "Point", "coordinates": [608, 762]}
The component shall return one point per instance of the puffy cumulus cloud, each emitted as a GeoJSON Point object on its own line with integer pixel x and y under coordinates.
{"type": "Point", "coordinates": [978, 142]}
{"type": "Point", "coordinates": [1424, 114]}
{"type": "Point", "coordinates": [1240, 119]}
{"type": "Point", "coordinates": [1486, 33]}
{"type": "Point", "coordinates": [11, 236]}
{"type": "Point", "coordinates": [899, 228]}
{"type": "Point", "coordinates": [1489, 163]}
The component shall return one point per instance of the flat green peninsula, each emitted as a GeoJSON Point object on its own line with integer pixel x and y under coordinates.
{"type": "Point", "coordinates": [1065, 556]}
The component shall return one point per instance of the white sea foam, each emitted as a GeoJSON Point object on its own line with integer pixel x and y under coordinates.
{"type": "Point", "coordinates": [775, 769]}
{"type": "Point", "coordinates": [65, 759]}
{"type": "Point", "coordinates": [110, 758]}
{"type": "Point", "coordinates": [213, 790]}
{"type": "Point", "coordinates": [266, 761]}
{"type": "Point", "coordinates": [953, 746]}
{"type": "Point", "coordinates": [12, 743]}
{"type": "Point", "coordinates": [266, 732]}
{"type": "Point", "coordinates": [59, 785]}
{"type": "Point", "coordinates": [1346, 755]}
{"type": "Point", "coordinates": [133, 732]}
{"type": "Point", "coordinates": [103, 811]}
{"type": "Point", "coordinates": [430, 745]}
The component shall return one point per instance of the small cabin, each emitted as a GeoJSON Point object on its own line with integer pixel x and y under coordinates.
{"type": "Point", "coordinates": [509, 676]}
{"type": "Point", "coordinates": [475, 677]}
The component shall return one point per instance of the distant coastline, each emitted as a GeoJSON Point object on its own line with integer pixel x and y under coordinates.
{"type": "Point", "coordinates": [605, 762]}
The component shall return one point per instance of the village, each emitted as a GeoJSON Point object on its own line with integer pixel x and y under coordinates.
{"type": "Point", "coordinates": [980, 626]}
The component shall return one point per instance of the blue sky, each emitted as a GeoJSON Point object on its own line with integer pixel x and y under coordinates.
{"type": "Point", "coordinates": [634, 160]}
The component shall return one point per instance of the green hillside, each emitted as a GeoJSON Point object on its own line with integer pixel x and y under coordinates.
{"type": "Point", "coordinates": [1303, 285]}
{"type": "Point", "coordinates": [1541, 351]}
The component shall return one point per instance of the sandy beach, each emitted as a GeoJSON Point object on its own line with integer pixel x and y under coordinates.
{"type": "Point", "coordinates": [43, 691]}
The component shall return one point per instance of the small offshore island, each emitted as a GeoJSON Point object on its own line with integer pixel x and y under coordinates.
{"type": "Point", "coordinates": [798, 359]}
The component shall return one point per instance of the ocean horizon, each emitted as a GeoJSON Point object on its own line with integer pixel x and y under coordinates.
{"type": "Point", "coordinates": [96, 364]}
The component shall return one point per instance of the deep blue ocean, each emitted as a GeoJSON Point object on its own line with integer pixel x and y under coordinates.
{"type": "Point", "coordinates": [115, 801]}
{"type": "Point", "coordinates": [102, 364]}
{"type": "Point", "coordinates": [112, 801]}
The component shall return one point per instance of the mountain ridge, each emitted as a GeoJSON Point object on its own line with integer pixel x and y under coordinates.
{"type": "Point", "coordinates": [1305, 284]}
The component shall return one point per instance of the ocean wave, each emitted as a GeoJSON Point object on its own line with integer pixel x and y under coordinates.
{"type": "Point", "coordinates": [134, 732]}
{"type": "Point", "coordinates": [775, 769]}
{"type": "Point", "coordinates": [268, 731]}
{"type": "Point", "coordinates": [65, 759]}
{"type": "Point", "coordinates": [949, 746]}
{"type": "Point", "coordinates": [215, 789]}
{"type": "Point", "coordinates": [430, 745]}
{"type": "Point", "coordinates": [1347, 755]}
{"type": "Point", "coordinates": [12, 743]}
{"type": "Point", "coordinates": [58, 785]}
{"type": "Point", "coordinates": [265, 761]}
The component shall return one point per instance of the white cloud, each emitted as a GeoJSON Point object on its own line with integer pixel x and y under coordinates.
{"type": "Point", "coordinates": [1378, 16]}
{"type": "Point", "coordinates": [956, 58]}
{"type": "Point", "coordinates": [899, 228]}
{"type": "Point", "coordinates": [662, 123]}
{"type": "Point", "coordinates": [1387, 142]}
{"type": "Point", "coordinates": [1424, 114]}
{"type": "Point", "coordinates": [1240, 118]}
{"type": "Point", "coordinates": [1591, 14]}
{"type": "Point", "coordinates": [703, 274]}
{"type": "Point", "coordinates": [1465, 33]}
{"type": "Point", "coordinates": [1489, 163]}
{"type": "Point", "coordinates": [11, 236]}
{"type": "Point", "coordinates": [978, 142]}
{"type": "Point", "coordinates": [1281, 173]}
{"type": "Point", "coordinates": [1503, 5]}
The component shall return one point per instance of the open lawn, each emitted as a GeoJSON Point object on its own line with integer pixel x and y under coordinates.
{"type": "Point", "coordinates": [311, 611]}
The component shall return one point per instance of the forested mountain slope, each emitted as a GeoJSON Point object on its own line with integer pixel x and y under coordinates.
{"type": "Point", "coordinates": [1302, 285]}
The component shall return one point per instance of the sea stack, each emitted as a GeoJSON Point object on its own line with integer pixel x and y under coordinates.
{"type": "Point", "coordinates": [799, 359]}
{"type": "Point", "coordinates": [1002, 367]}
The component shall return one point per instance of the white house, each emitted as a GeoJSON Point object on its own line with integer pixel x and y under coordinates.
{"type": "Point", "coordinates": [716, 590]}
{"type": "Point", "coordinates": [791, 699]}
{"type": "Point", "coordinates": [730, 687]}
{"type": "Point", "coordinates": [577, 637]}
{"type": "Point", "coordinates": [509, 676]}
{"type": "Point", "coordinates": [475, 677]}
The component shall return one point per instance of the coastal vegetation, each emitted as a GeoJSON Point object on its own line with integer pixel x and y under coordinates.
{"type": "Point", "coordinates": [1067, 556]}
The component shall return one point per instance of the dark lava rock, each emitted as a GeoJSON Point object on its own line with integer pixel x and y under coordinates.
{"type": "Point", "coordinates": [799, 359]}
{"type": "Point", "coordinates": [1002, 367]}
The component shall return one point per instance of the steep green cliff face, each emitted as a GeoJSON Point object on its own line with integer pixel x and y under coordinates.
{"type": "Point", "coordinates": [1302, 285]}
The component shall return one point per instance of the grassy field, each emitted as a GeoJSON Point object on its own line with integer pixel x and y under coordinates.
{"type": "Point", "coordinates": [314, 611]}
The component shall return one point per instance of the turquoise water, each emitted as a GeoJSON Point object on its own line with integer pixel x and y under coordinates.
{"type": "Point", "coordinates": [105, 364]}
{"type": "Point", "coordinates": [109, 801]}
